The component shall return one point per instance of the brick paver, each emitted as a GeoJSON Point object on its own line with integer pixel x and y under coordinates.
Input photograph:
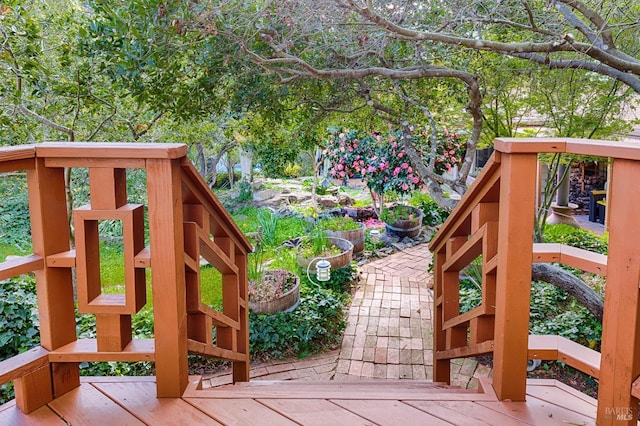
{"type": "Point", "coordinates": [388, 334]}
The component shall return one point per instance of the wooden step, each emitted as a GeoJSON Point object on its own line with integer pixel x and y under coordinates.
{"type": "Point", "coordinates": [336, 389]}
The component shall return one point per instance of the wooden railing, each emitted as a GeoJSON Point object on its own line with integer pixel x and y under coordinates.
{"type": "Point", "coordinates": [495, 220]}
{"type": "Point", "coordinates": [186, 222]}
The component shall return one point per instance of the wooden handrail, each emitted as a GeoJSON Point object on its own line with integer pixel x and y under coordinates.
{"type": "Point", "coordinates": [180, 205]}
{"type": "Point", "coordinates": [512, 175]}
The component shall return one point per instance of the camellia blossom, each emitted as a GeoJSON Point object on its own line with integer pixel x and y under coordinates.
{"type": "Point", "coordinates": [381, 161]}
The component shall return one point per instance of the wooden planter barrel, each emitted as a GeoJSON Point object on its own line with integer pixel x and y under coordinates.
{"type": "Point", "coordinates": [355, 236]}
{"type": "Point", "coordinates": [285, 303]}
{"type": "Point", "coordinates": [406, 228]}
{"type": "Point", "coordinates": [337, 261]}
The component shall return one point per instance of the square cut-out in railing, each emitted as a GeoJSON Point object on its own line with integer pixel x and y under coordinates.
{"type": "Point", "coordinates": [91, 298]}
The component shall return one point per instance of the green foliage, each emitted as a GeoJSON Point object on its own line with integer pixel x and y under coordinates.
{"type": "Point", "coordinates": [575, 237]}
{"type": "Point", "coordinates": [14, 214]}
{"type": "Point", "coordinates": [18, 316]}
{"type": "Point", "coordinates": [397, 213]}
{"type": "Point", "coordinates": [338, 223]}
{"type": "Point", "coordinates": [315, 325]}
{"type": "Point", "coordinates": [433, 214]}
{"type": "Point", "coordinates": [245, 192]}
{"type": "Point", "coordinates": [18, 321]}
{"type": "Point", "coordinates": [288, 226]}
{"type": "Point", "coordinates": [292, 170]}
{"type": "Point", "coordinates": [268, 221]}
{"type": "Point", "coordinates": [553, 311]}
{"type": "Point", "coordinates": [370, 245]}
{"type": "Point", "coordinates": [275, 152]}
{"type": "Point", "coordinates": [222, 179]}
{"type": "Point", "coordinates": [471, 285]}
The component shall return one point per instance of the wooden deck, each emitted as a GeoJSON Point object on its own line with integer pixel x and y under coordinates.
{"type": "Point", "coordinates": [132, 401]}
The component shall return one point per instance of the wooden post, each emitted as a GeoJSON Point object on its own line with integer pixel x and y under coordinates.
{"type": "Point", "coordinates": [168, 276]}
{"type": "Point", "coordinates": [50, 235]}
{"type": "Point", "coordinates": [620, 362]}
{"type": "Point", "coordinates": [241, 369]}
{"type": "Point", "coordinates": [441, 367]}
{"type": "Point", "coordinates": [513, 287]}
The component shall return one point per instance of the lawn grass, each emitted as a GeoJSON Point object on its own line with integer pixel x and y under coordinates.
{"type": "Point", "coordinates": [12, 250]}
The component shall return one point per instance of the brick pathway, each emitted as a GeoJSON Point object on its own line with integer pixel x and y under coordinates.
{"type": "Point", "coordinates": [388, 335]}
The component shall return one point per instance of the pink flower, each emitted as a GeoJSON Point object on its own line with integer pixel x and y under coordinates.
{"type": "Point", "coordinates": [452, 152]}
{"type": "Point", "coordinates": [340, 167]}
{"type": "Point", "coordinates": [415, 180]}
{"type": "Point", "coordinates": [401, 155]}
{"type": "Point", "coordinates": [396, 171]}
{"type": "Point", "coordinates": [405, 187]}
{"type": "Point", "coordinates": [404, 166]}
{"type": "Point", "coordinates": [371, 169]}
{"type": "Point", "coordinates": [410, 169]}
{"type": "Point", "coordinates": [341, 174]}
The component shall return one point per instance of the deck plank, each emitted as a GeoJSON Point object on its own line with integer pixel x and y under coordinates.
{"type": "Point", "coordinates": [537, 412]}
{"type": "Point", "coordinates": [11, 415]}
{"type": "Point", "coordinates": [239, 412]}
{"type": "Point", "coordinates": [140, 398]}
{"type": "Point", "coordinates": [314, 412]}
{"type": "Point", "coordinates": [464, 413]}
{"type": "Point", "coordinates": [582, 404]}
{"type": "Point", "coordinates": [389, 412]}
{"type": "Point", "coordinates": [86, 405]}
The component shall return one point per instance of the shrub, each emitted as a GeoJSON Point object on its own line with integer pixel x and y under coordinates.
{"type": "Point", "coordinates": [553, 311]}
{"type": "Point", "coordinates": [316, 324]}
{"type": "Point", "coordinates": [18, 322]}
{"type": "Point", "coordinates": [433, 214]}
{"type": "Point", "coordinates": [292, 170]}
{"type": "Point", "coordinates": [19, 316]}
{"type": "Point", "coordinates": [245, 192]}
{"type": "Point", "coordinates": [14, 214]}
{"type": "Point", "coordinates": [576, 237]}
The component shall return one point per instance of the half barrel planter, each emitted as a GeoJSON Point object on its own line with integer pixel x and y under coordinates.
{"type": "Point", "coordinates": [354, 236]}
{"type": "Point", "coordinates": [406, 228]}
{"type": "Point", "coordinates": [337, 261]}
{"type": "Point", "coordinates": [285, 303]}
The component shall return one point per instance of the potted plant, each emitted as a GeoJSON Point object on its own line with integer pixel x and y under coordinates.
{"type": "Point", "coordinates": [270, 290]}
{"type": "Point", "coordinates": [402, 220]}
{"type": "Point", "coordinates": [347, 228]}
{"type": "Point", "coordinates": [337, 251]}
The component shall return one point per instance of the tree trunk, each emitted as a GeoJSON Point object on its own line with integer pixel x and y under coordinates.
{"type": "Point", "coordinates": [213, 173]}
{"type": "Point", "coordinates": [201, 160]}
{"type": "Point", "coordinates": [557, 276]}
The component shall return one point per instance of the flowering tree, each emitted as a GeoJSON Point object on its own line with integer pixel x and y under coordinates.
{"type": "Point", "coordinates": [381, 161]}
{"type": "Point", "coordinates": [450, 153]}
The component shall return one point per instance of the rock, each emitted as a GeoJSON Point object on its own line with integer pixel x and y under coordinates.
{"type": "Point", "coordinates": [389, 239]}
{"type": "Point", "coordinates": [381, 253]}
{"type": "Point", "coordinates": [327, 201]}
{"type": "Point", "coordinates": [407, 241]}
{"type": "Point", "coordinates": [345, 199]}
{"type": "Point", "coordinates": [398, 246]}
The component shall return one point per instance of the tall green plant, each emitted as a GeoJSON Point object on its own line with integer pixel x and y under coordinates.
{"type": "Point", "coordinates": [268, 222]}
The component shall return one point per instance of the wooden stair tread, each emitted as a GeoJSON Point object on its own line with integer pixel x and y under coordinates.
{"type": "Point", "coordinates": [348, 390]}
